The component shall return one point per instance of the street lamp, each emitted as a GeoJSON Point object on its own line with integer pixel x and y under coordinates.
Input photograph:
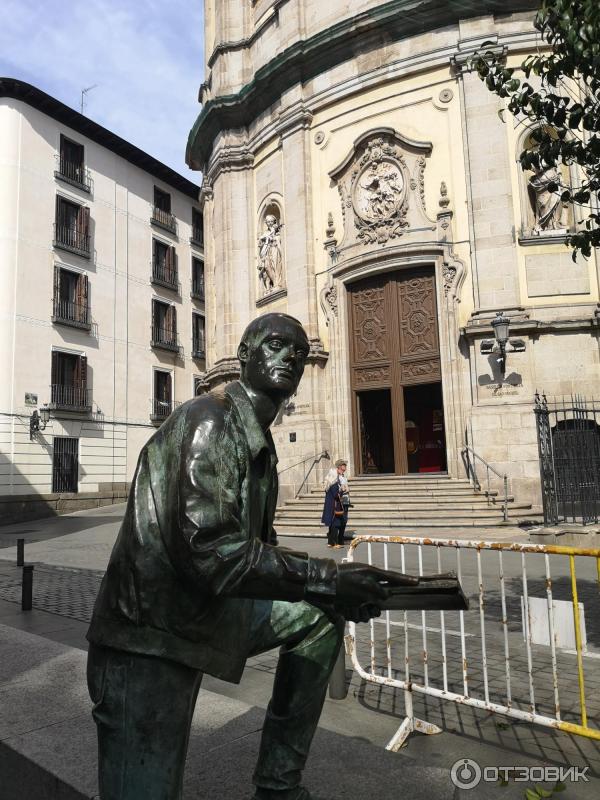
{"type": "Point", "coordinates": [501, 325]}
{"type": "Point", "coordinates": [39, 420]}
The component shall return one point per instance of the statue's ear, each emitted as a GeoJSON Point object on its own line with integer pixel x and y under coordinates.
{"type": "Point", "coordinates": [242, 352]}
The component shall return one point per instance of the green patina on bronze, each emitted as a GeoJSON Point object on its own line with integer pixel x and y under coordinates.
{"type": "Point", "coordinates": [308, 58]}
{"type": "Point", "coordinates": [197, 583]}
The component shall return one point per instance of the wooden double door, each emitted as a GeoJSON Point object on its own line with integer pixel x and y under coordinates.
{"type": "Point", "coordinates": [398, 419]}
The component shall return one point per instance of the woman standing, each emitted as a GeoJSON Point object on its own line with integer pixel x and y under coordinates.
{"type": "Point", "coordinates": [337, 501]}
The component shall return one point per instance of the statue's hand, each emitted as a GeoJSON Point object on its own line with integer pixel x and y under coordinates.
{"type": "Point", "coordinates": [362, 585]}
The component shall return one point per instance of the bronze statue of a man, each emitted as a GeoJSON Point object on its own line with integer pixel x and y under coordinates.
{"type": "Point", "coordinates": [197, 583]}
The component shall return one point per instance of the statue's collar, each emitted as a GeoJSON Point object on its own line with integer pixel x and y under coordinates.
{"type": "Point", "coordinates": [257, 439]}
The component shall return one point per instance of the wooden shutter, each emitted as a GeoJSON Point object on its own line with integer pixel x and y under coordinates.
{"type": "Point", "coordinates": [56, 295]}
{"type": "Point", "coordinates": [54, 375]}
{"type": "Point", "coordinates": [168, 387]}
{"type": "Point", "coordinates": [83, 221]}
{"type": "Point", "coordinates": [81, 297]}
{"type": "Point", "coordinates": [81, 381]}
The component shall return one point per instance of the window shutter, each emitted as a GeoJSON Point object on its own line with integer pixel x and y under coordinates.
{"type": "Point", "coordinates": [81, 295]}
{"type": "Point", "coordinates": [168, 387]}
{"type": "Point", "coordinates": [82, 372]}
{"type": "Point", "coordinates": [83, 221]}
{"type": "Point", "coordinates": [54, 379]}
{"type": "Point", "coordinates": [174, 323]}
{"type": "Point", "coordinates": [56, 288]}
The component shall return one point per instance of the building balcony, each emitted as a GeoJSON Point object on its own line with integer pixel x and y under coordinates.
{"type": "Point", "coordinates": [72, 240]}
{"type": "Point", "coordinates": [164, 339]}
{"type": "Point", "coordinates": [160, 409]}
{"type": "Point", "coordinates": [76, 315]}
{"type": "Point", "coordinates": [164, 275]}
{"type": "Point", "coordinates": [197, 292]}
{"type": "Point", "coordinates": [198, 347]}
{"type": "Point", "coordinates": [163, 219]}
{"type": "Point", "coordinates": [70, 398]}
{"type": "Point", "coordinates": [197, 236]}
{"type": "Point", "coordinates": [73, 173]}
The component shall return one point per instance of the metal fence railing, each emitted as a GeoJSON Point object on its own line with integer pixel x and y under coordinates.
{"type": "Point", "coordinates": [520, 651]}
{"type": "Point", "coordinates": [568, 432]}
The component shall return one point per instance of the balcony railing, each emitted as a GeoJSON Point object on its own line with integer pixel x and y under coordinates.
{"type": "Point", "coordinates": [164, 219]}
{"type": "Point", "coordinates": [160, 409]}
{"type": "Point", "coordinates": [73, 173]}
{"type": "Point", "coordinates": [71, 239]}
{"type": "Point", "coordinates": [197, 289]}
{"type": "Point", "coordinates": [164, 275]}
{"type": "Point", "coordinates": [77, 315]}
{"type": "Point", "coordinates": [197, 236]}
{"type": "Point", "coordinates": [70, 398]}
{"type": "Point", "coordinates": [198, 347]}
{"type": "Point", "coordinates": [165, 339]}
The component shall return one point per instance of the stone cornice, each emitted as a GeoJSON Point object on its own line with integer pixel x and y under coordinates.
{"type": "Point", "coordinates": [240, 44]}
{"type": "Point", "coordinates": [307, 58]}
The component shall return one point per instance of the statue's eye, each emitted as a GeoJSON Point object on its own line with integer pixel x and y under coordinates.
{"type": "Point", "coordinates": [276, 344]}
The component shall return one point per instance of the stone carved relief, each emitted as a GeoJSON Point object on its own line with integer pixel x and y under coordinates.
{"type": "Point", "coordinates": [449, 273]}
{"type": "Point", "coordinates": [270, 252]}
{"type": "Point", "coordinates": [381, 184]}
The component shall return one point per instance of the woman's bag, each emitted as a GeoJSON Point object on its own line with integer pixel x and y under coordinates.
{"type": "Point", "coordinates": [338, 507]}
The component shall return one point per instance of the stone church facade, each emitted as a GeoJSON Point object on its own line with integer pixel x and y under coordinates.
{"type": "Point", "coordinates": [358, 175]}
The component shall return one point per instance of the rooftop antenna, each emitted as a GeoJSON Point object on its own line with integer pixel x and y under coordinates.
{"type": "Point", "coordinates": [83, 94]}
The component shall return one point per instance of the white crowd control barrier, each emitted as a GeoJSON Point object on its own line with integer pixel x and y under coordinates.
{"type": "Point", "coordinates": [487, 657]}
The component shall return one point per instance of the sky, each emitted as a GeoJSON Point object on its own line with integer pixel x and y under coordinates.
{"type": "Point", "coordinates": [146, 57]}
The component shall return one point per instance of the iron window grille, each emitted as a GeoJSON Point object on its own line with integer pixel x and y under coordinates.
{"type": "Point", "coordinates": [72, 228]}
{"type": "Point", "coordinates": [70, 304]}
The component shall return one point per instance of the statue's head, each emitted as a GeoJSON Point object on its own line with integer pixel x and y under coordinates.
{"type": "Point", "coordinates": [272, 354]}
{"type": "Point", "coordinates": [270, 221]}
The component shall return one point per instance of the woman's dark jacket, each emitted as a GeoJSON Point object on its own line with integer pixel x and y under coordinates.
{"type": "Point", "coordinates": [328, 516]}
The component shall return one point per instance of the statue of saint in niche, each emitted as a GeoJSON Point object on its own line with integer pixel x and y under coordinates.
{"type": "Point", "coordinates": [547, 205]}
{"type": "Point", "coordinates": [270, 268]}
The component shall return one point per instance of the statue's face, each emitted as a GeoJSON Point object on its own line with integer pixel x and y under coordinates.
{"type": "Point", "coordinates": [274, 361]}
{"type": "Point", "coordinates": [270, 220]}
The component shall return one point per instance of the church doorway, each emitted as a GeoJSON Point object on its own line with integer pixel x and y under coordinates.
{"type": "Point", "coordinates": [398, 412]}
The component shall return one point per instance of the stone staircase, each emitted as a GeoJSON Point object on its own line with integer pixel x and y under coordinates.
{"type": "Point", "coordinates": [390, 502]}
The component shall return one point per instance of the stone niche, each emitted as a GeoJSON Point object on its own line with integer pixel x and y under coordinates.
{"type": "Point", "coordinates": [382, 190]}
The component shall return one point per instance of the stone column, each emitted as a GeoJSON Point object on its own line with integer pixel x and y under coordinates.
{"type": "Point", "coordinates": [494, 257]}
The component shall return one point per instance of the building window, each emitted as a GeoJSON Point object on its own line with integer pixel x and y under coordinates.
{"type": "Point", "coordinates": [162, 400]}
{"type": "Point", "coordinates": [197, 236]}
{"type": "Point", "coordinates": [198, 336]}
{"type": "Point", "coordinates": [69, 391]}
{"type": "Point", "coordinates": [164, 326]}
{"type": "Point", "coordinates": [164, 265]}
{"type": "Point", "coordinates": [70, 305]}
{"type": "Point", "coordinates": [161, 211]}
{"type": "Point", "coordinates": [70, 165]}
{"type": "Point", "coordinates": [197, 279]}
{"type": "Point", "coordinates": [65, 464]}
{"type": "Point", "coordinates": [72, 227]}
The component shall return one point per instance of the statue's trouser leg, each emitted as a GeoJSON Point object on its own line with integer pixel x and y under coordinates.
{"type": "Point", "coordinates": [310, 642]}
{"type": "Point", "coordinates": [143, 708]}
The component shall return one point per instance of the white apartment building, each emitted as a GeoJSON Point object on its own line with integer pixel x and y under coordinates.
{"type": "Point", "coordinates": [102, 323]}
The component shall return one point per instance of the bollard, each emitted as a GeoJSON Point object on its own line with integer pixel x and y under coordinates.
{"type": "Point", "coordinates": [337, 680]}
{"type": "Point", "coordinates": [27, 588]}
{"type": "Point", "coordinates": [20, 552]}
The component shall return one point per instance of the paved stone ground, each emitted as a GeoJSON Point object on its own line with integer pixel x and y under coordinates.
{"type": "Point", "coordinates": [68, 568]}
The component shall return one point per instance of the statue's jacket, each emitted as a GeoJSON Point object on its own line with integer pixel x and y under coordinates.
{"type": "Point", "coordinates": [197, 544]}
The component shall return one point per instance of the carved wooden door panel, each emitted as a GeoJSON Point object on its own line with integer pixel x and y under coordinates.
{"type": "Point", "coordinates": [393, 343]}
{"type": "Point", "coordinates": [419, 351]}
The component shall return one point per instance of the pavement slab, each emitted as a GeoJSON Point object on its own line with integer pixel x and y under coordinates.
{"type": "Point", "coordinates": [48, 742]}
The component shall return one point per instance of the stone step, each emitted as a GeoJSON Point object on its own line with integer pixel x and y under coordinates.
{"type": "Point", "coordinates": [440, 504]}
{"type": "Point", "coordinates": [405, 514]}
{"type": "Point", "coordinates": [425, 524]}
{"type": "Point", "coordinates": [408, 493]}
